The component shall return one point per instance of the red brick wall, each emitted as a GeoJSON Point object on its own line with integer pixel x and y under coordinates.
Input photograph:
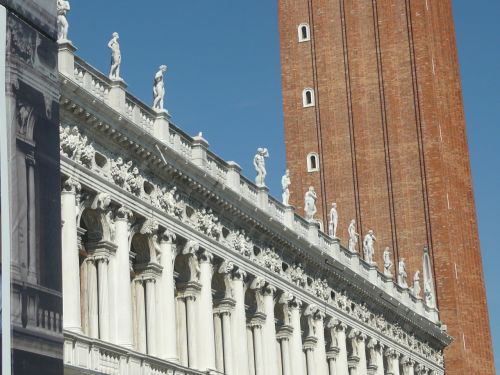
{"type": "Point", "coordinates": [389, 127]}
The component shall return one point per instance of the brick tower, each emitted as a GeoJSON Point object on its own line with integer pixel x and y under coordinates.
{"type": "Point", "coordinates": [374, 121]}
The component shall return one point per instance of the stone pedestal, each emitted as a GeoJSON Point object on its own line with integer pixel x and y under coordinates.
{"type": "Point", "coordinates": [161, 126]}
{"type": "Point", "coordinates": [66, 58]}
{"type": "Point", "coordinates": [117, 94]}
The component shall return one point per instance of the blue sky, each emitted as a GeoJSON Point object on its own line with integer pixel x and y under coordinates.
{"type": "Point", "coordinates": [224, 79]}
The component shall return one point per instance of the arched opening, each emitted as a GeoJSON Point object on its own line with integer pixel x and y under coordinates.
{"type": "Point", "coordinates": [304, 32]}
{"type": "Point", "coordinates": [308, 97]}
{"type": "Point", "coordinates": [312, 162]}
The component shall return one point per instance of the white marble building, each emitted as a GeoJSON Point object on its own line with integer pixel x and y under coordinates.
{"type": "Point", "coordinates": [174, 263]}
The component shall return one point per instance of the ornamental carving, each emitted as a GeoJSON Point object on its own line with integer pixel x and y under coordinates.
{"type": "Point", "coordinates": [208, 223]}
{"type": "Point", "coordinates": [298, 275]}
{"type": "Point", "coordinates": [242, 243]}
{"type": "Point", "coordinates": [76, 147]}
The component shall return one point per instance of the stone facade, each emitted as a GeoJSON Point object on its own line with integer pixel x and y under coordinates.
{"type": "Point", "coordinates": [387, 122]}
{"type": "Point", "coordinates": [176, 263]}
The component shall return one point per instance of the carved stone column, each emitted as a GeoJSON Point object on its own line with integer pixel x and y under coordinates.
{"type": "Point", "coordinates": [250, 350]}
{"type": "Point", "coordinates": [166, 302]}
{"type": "Point", "coordinates": [331, 356]}
{"type": "Point", "coordinates": [379, 355]}
{"type": "Point", "coordinates": [140, 309]}
{"type": "Point", "coordinates": [190, 292]}
{"type": "Point", "coordinates": [237, 285]}
{"type": "Point", "coordinates": [181, 327]}
{"type": "Point", "coordinates": [269, 330]}
{"type": "Point", "coordinates": [151, 315]}
{"type": "Point", "coordinates": [102, 271]}
{"type": "Point", "coordinates": [205, 313]}
{"type": "Point", "coordinates": [123, 293]}
{"type": "Point", "coordinates": [219, 346]}
{"type": "Point", "coordinates": [70, 258]}
{"type": "Point", "coordinates": [257, 323]}
{"type": "Point", "coordinates": [362, 367]}
{"type": "Point", "coordinates": [284, 336]}
{"type": "Point", "coordinates": [227, 342]}
{"type": "Point", "coordinates": [296, 340]}
{"type": "Point", "coordinates": [320, 351]}
{"type": "Point", "coordinates": [309, 346]}
{"type": "Point", "coordinates": [342, 363]}
{"type": "Point", "coordinates": [93, 304]}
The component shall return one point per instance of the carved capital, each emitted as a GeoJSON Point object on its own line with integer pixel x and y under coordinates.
{"type": "Point", "coordinates": [123, 214]}
{"type": "Point", "coordinates": [71, 186]}
{"type": "Point", "coordinates": [167, 236]}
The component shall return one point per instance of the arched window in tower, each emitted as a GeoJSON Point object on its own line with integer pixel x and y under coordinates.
{"type": "Point", "coordinates": [304, 32]}
{"type": "Point", "coordinates": [308, 98]}
{"type": "Point", "coordinates": [312, 162]}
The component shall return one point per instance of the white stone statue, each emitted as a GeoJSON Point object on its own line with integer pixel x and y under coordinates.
{"type": "Point", "coordinates": [334, 219]}
{"type": "Point", "coordinates": [310, 204]}
{"type": "Point", "coordinates": [416, 284]}
{"type": "Point", "coordinates": [285, 183]}
{"type": "Point", "coordinates": [159, 89]}
{"type": "Point", "coordinates": [62, 22]}
{"type": "Point", "coordinates": [368, 247]}
{"type": "Point", "coordinates": [259, 163]}
{"type": "Point", "coordinates": [116, 57]}
{"type": "Point", "coordinates": [402, 275]}
{"type": "Point", "coordinates": [353, 236]}
{"type": "Point", "coordinates": [387, 262]}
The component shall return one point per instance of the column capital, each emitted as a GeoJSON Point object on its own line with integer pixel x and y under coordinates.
{"type": "Point", "coordinates": [407, 361]}
{"type": "Point", "coordinates": [310, 343]}
{"type": "Point", "coordinates": [123, 214]}
{"type": "Point", "coordinates": [332, 353]}
{"type": "Point", "coordinates": [189, 290]}
{"type": "Point", "coordinates": [284, 332]}
{"type": "Point", "coordinates": [167, 236]}
{"type": "Point", "coordinates": [336, 324]}
{"type": "Point", "coordinates": [257, 320]}
{"type": "Point", "coordinates": [390, 352]}
{"type": "Point", "coordinates": [71, 186]}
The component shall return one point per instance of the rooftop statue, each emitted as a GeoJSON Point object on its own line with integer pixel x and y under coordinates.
{"type": "Point", "coordinates": [368, 247]}
{"type": "Point", "coordinates": [310, 204]}
{"type": "Point", "coordinates": [387, 262]}
{"type": "Point", "coordinates": [353, 236]}
{"type": "Point", "coordinates": [402, 275]}
{"type": "Point", "coordinates": [334, 219]}
{"type": "Point", "coordinates": [285, 183]}
{"type": "Point", "coordinates": [159, 89]}
{"type": "Point", "coordinates": [62, 22]}
{"type": "Point", "coordinates": [259, 163]}
{"type": "Point", "coordinates": [116, 57]}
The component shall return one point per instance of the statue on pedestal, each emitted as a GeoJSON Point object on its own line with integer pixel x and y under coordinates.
{"type": "Point", "coordinates": [334, 219]}
{"type": "Point", "coordinates": [62, 22]}
{"type": "Point", "coordinates": [310, 204]}
{"type": "Point", "coordinates": [387, 262]}
{"type": "Point", "coordinates": [259, 163]}
{"type": "Point", "coordinates": [285, 183]}
{"type": "Point", "coordinates": [116, 57]}
{"type": "Point", "coordinates": [353, 236]}
{"type": "Point", "coordinates": [159, 89]}
{"type": "Point", "coordinates": [368, 247]}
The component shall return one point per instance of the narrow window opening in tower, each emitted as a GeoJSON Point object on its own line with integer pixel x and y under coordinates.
{"type": "Point", "coordinates": [312, 162]}
{"type": "Point", "coordinates": [304, 34]}
{"type": "Point", "coordinates": [308, 98]}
